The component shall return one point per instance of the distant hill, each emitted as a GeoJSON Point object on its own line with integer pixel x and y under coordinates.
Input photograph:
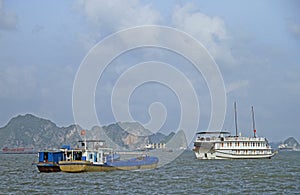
{"type": "Point", "coordinates": [31, 131]}
{"type": "Point", "coordinates": [288, 144]}
{"type": "Point", "coordinates": [292, 143]}
{"type": "Point", "coordinates": [178, 140]}
{"type": "Point", "coordinates": [34, 132]}
{"type": "Point", "coordinates": [128, 135]}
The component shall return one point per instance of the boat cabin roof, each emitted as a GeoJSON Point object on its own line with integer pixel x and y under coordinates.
{"type": "Point", "coordinates": [91, 141]}
{"type": "Point", "coordinates": [213, 132]}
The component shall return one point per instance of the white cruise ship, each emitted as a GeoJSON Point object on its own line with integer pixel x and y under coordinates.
{"type": "Point", "coordinates": [221, 145]}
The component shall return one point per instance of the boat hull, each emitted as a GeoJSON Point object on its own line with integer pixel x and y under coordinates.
{"type": "Point", "coordinates": [228, 155]}
{"type": "Point", "coordinates": [48, 167]}
{"type": "Point", "coordinates": [83, 166]}
{"type": "Point", "coordinates": [86, 166]}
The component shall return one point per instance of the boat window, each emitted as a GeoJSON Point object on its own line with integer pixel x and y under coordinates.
{"type": "Point", "coordinates": [77, 155]}
{"type": "Point", "coordinates": [46, 157]}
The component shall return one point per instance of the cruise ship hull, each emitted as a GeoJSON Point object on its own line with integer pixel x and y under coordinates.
{"type": "Point", "coordinates": [231, 155]}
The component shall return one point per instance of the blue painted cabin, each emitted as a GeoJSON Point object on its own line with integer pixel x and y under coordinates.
{"type": "Point", "coordinates": [51, 156]}
{"type": "Point", "coordinates": [48, 160]}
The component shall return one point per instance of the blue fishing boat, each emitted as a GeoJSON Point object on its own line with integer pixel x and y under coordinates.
{"type": "Point", "coordinates": [48, 161]}
{"type": "Point", "coordinates": [100, 158]}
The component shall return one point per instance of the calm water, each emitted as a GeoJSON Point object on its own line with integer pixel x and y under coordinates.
{"type": "Point", "coordinates": [185, 175]}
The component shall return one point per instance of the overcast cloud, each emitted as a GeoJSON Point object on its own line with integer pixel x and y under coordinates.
{"type": "Point", "coordinates": [8, 19]}
{"type": "Point", "coordinates": [256, 45]}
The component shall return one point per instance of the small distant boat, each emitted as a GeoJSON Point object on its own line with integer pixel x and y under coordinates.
{"type": "Point", "coordinates": [98, 159]}
{"type": "Point", "coordinates": [148, 146]}
{"type": "Point", "coordinates": [7, 150]}
{"type": "Point", "coordinates": [221, 145]}
{"type": "Point", "coordinates": [285, 147]}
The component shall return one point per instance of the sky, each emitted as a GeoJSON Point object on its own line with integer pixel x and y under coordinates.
{"type": "Point", "coordinates": [255, 44]}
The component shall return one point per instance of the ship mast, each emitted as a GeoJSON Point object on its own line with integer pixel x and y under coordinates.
{"type": "Point", "coordinates": [253, 122]}
{"type": "Point", "coordinates": [235, 120]}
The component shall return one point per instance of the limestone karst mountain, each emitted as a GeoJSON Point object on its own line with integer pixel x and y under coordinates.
{"type": "Point", "coordinates": [38, 133]}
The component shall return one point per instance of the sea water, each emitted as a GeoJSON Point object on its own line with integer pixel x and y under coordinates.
{"type": "Point", "coordinates": [184, 175]}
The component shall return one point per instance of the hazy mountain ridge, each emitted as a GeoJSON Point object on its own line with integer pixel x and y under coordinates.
{"type": "Point", "coordinates": [31, 131]}
{"type": "Point", "coordinates": [292, 142]}
{"type": "Point", "coordinates": [34, 132]}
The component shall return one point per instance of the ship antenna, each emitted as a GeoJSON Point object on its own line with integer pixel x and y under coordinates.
{"type": "Point", "coordinates": [253, 122]}
{"type": "Point", "coordinates": [235, 120]}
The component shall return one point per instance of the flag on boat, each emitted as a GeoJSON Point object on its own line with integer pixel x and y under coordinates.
{"type": "Point", "coordinates": [82, 132]}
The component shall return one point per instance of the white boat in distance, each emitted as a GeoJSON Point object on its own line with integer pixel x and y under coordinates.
{"type": "Point", "coordinates": [221, 145]}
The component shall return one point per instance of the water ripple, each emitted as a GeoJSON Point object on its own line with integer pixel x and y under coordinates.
{"type": "Point", "coordinates": [185, 175]}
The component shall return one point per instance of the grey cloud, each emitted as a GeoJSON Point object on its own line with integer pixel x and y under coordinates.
{"type": "Point", "coordinates": [210, 31]}
{"type": "Point", "coordinates": [37, 28]}
{"type": "Point", "coordinates": [8, 20]}
{"type": "Point", "coordinates": [294, 29]}
{"type": "Point", "coordinates": [17, 82]}
{"type": "Point", "coordinates": [105, 17]}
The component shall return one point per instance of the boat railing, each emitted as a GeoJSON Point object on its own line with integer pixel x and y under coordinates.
{"type": "Point", "coordinates": [209, 138]}
{"type": "Point", "coordinates": [244, 139]}
{"type": "Point", "coordinates": [217, 139]}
